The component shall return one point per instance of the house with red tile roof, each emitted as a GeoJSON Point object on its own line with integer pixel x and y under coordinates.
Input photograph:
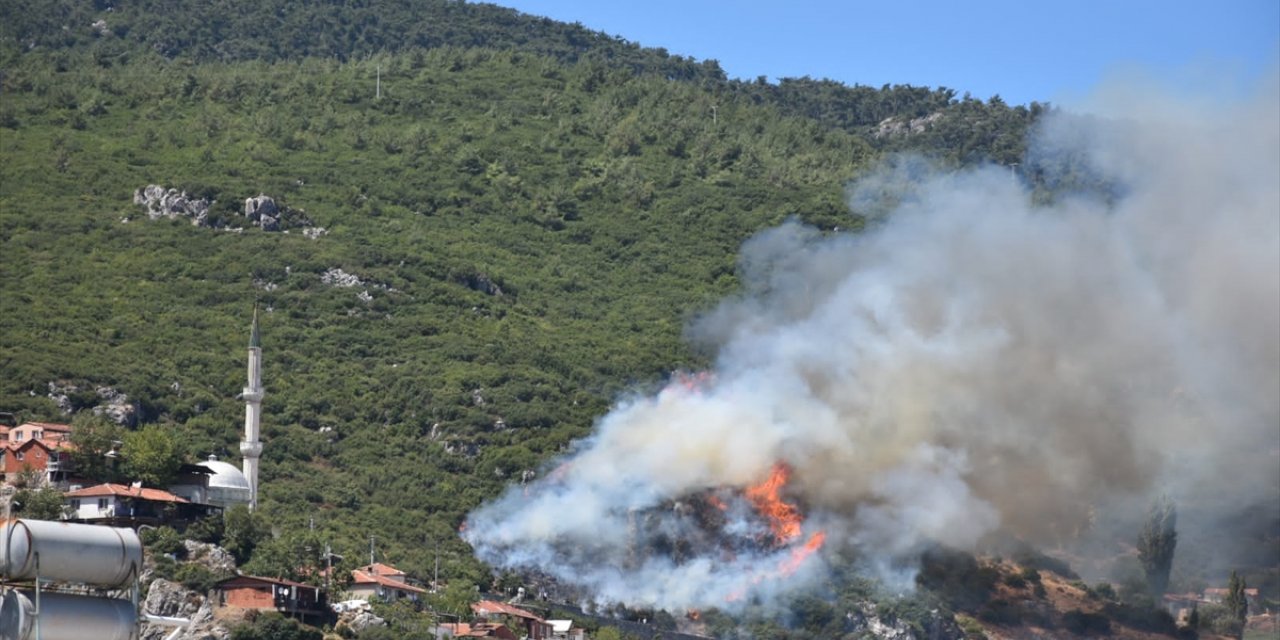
{"type": "Point", "coordinates": [1219, 595]}
{"type": "Point", "coordinates": [273, 594]}
{"type": "Point", "coordinates": [383, 581]}
{"type": "Point", "coordinates": [40, 447]}
{"type": "Point", "coordinates": [51, 433]}
{"type": "Point", "coordinates": [478, 630]}
{"type": "Point", "coordinates": [492, 611]}
{"type": "Point", "coordinates": [120, 505]}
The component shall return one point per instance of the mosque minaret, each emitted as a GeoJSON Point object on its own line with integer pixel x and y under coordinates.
{"type": "Point", "coordinates": [250, 447]}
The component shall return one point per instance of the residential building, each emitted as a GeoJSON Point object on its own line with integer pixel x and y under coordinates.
{"type": "Point", "coordinates": [42, 448]}
{"type": "Point", "coordinates": [1219, 595]}
{"type": "Point", "coordinates": [478, 630]}
{"type": "Point", "coordinates": [50, 433]}
{"type": "Point", "coordinates": [130, 506]}
{"type": "Point", "coordinates": [273, 594]}
{"type": "Point", "coordinates": [564, 630]}
{"type": "Point", "coordinates": [383, 581]}
{"type": "Point", "coordinates": [535, 627]}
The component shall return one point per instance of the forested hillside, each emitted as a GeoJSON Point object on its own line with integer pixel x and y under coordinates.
{"type": "Point", "coordinates": [524, 215]}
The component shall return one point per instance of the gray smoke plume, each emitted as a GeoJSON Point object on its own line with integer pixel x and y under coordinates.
{"type": "Point", "coordinates": [980, 360]}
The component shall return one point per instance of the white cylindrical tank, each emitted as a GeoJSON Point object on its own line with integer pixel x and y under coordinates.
{"type": "Point", "coordinates": [65, 616]}
{"type": "Point", "coordinates": [106, 556]}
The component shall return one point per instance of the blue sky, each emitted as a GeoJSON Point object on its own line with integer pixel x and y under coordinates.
{"type": "Point", "coordinates": [1023, 50]}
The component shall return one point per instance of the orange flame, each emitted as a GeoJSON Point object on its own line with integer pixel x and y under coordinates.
{"type": "Point", "coordinates": [798, 556]}
{"type": "Point", "coordinates": [717, 503]}
{"type": "Point", "coordinates": [784, 519]}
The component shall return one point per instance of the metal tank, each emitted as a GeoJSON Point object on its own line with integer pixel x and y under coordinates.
{"type": "Point", "coordinates": [64, 616]}
{"type": "Point", "coordinates": [105, 556]}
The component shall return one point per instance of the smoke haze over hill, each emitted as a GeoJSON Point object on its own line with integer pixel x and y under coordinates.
{"type": "Point", "coordinates": [975, 362]}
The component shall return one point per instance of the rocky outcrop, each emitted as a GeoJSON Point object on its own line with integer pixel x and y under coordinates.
{"type": "Point", "coordinates": [172, 600]}
{"type": "Point", "coordinates": [171, 203]}
{"type": "Point", "coordinates": [263, 212]}
{"type": "Point", "coordinates": [60, 394]}
{"type": "Point", "coordinates": [358, 621]}
{"type": "Point", "coordinates": [116, 407]}
{"type": "Point", "coordinates": [111, 403]}
{"type": "Point", "coordinates": [336, 277]}
{"type": "Point", "coordinates": [260, 211]}
{"type": "Point", "coordinates": [867, 621]}
{"type": "Point", "coordinates": [896, 126]}
{"type": "Point", "coordinates": [482, 283]}
{"type": "Point", "coordinates": [211, 556]}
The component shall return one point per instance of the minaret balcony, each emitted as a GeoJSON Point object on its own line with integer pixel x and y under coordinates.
{"type": "Point", "coordinates": [250, 449]}
{"type": "Point", "coordinates": [252, 395]}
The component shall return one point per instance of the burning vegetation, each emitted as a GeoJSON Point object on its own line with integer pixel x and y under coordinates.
{"type": "Point", "coordinates": [986, 361]}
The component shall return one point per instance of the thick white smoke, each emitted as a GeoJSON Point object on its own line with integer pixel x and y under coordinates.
{"type": "Point", "coordinates": [976, 362]}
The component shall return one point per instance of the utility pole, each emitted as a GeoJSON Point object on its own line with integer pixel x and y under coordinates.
{"type": "Point", "coordinates": [378, 91]}
{"type": "Point", "coordinates": [435, 582]}
{"type": "Point", "coordinates": [714, 115]}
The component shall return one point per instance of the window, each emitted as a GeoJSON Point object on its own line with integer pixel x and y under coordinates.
{"type": "Point", "coordinates": [75, 503]}
{"type": "Point", "coordinates": [39, 435]}
{"type": "Point", "coordinates": [102, 504]}
{"type": "Point", "coordinates": [20, 455]}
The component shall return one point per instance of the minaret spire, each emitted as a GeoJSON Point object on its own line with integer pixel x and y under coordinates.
{"type": "Point", "coordinates": [250, 447]}
{"type": "Point", "coordinates": [254, 341]}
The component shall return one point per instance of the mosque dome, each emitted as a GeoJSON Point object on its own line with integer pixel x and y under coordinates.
{"type": "Point", "coordinates": [227, 484]}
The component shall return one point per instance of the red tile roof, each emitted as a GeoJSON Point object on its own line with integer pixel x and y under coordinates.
{"type": "Point", "coordinates": [1226, 592]}
{"type": "Point", "coordinates": [241, 579]}
{"type": "Point", "coordinates": [28, 443]}
{"type": "Point", "coordinates": [154, 495]}
{"type": "Point", "coordinates": [364, 577]}
{"type": "Point", "coordinates": [380, 569]}
{"type": "Point", "coordinates": [47, 426]}
{"type": "Point", "coordinates": [490, 607]}
{"type": "Point", "coordinates": [474, 630]}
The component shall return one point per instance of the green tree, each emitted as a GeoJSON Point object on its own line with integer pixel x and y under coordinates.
{"type": "Point", "coordinates": [163, 540]}
{"type": "Point", "coordinates": [242, 532]}
{"type": "Point", "coordinates": [96, 443]}
{"type": "Point", "coordinates": [273, 626]}
{"type": "Point", "coordinates": [456, 598]}
{"type": "Point", "coordinates": [608, 633]}
{"type": "Point", "coordinates": [1237, 602]}
{"type": "Point", "coordinates": [1156, 545]}
{"type": "Point", "coordinates": [38, 504]}
{"type": "Point", "coordinates": [295, 556]}
{"type": "Point", "coordinates": [151, 455]}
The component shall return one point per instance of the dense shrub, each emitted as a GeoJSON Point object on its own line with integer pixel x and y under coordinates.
{"type": "Point", "coordinates": [273, 626]}
{"type": "Point", "coordinates": [1086, 624]}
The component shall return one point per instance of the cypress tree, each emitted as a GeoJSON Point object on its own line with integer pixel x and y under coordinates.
{"type": "Point", "coordinates": [1156, 544]}
{"type": "Point", "coordinates": [1237, 602]}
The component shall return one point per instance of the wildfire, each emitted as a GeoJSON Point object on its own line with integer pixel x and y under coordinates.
{"type": "Point", "coordinates": [799, 555]}
{"type": "Point", "coordinates": [692, 381]}
{"type": "Point", "coordinates": [784, 519]}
